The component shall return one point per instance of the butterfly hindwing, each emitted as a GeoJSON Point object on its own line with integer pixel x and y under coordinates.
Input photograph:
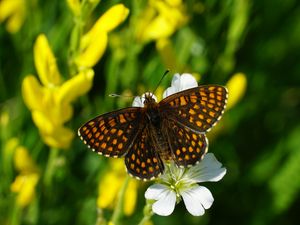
{"type": "Point", "coordinates": [112, 133]}
{"type": "Point", "coordinates": [187, 147]}
{"type": "Point", "coordinates": [142, 160]}
{"type": "Point", "coordinates": [198, 108]}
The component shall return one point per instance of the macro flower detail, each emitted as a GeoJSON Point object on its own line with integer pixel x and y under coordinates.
{"type": "Point", "coordinates": [50, 99]}
{"type": "Point", "coordinates": [182, 183]}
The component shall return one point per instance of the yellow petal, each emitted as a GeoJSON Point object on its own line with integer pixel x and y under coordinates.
{"type": "Point", "coordinates": [45, 62]}
{"type": "Point", "coordinates": [111, 18]}
{"type": "Point", "coordinates": [75, 87]}
{"type": "Point", "coordinates": [130, 197]}
{"type": "Point", "coordinates": [60, 138]}
{"type": "Point", "coordinates": [7, 8]}
{"type": "Point", "coordinates": [106, 196]}
{"type": "Point", "coordinates": [43, 122]}
{"type": "Point", "coordinates": [33, 93]}
{"type": "Point", "coordinates": [23, 161]}
{"type": "Point", "coordinates": [63, 114]}
{"type": "Point", "coordinates": [92, 47]}
{"type": "Point", "coordinates": [94, 42]}
{"type": "Point", "coordinates": [236, 89]}
{"type": "Point", "coordinates": [159, 27]}
{"type": "Point", "coordinates": [14, 12]}
{"type": "Point", "coordinates": [24, 185]}
{"type": "Point", "coordinates": [174, 3]}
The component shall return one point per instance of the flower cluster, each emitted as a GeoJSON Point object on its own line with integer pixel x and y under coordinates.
{"type": "Point", "coordinates": [50, 100]}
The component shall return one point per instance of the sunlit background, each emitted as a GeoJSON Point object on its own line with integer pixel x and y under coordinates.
{"type": "Point", "coordinates": [60, 60]}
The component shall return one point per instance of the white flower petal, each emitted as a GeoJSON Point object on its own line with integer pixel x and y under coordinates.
{"type": "Point", "coordinates": [180, 83]}
{"type": "Point", "coordinates": [155, 191]}
{"type": "Point", "coordinates": [169, 91]}
{"type": "Point", "coordinates": [166, 199]}
{"type": "Point", "coordinates": [176, 81]}
{"type": "Point", "coordinates": [187, 81]}
{"type": "Point", "coordinates": [209, 169]}
{"type": "Point", "coordinates": [165, 205]}
{"type": "Point", "coordinates": [197, 199]}
{"type": "Point", "coordinates": [137, 102]}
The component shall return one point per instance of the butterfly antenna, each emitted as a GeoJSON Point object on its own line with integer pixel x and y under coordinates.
{"type": "Point", "coordinates": [122, 96]}
{"type": "Point", "coordinates": [163, 76]}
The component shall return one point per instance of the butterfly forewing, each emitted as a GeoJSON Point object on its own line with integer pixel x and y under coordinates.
{"type": "Point", "coordinates": [142, 160]}
{"type": "Point", "coordinates": [187, 147]}
{"type": "Point", "coordinates": [197, 108]}
{"type": "Point", "coordinates": [112, 134]}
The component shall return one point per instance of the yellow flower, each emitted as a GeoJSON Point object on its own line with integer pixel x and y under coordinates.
{"type": "Point", "coordinates": [14, 12]}
{"type": "Point", "coordinates": [25, 183]}
{"type": "Point", "coordinates": [160, 19]}
{"type": "Point", "coordinates": [236, 88]}
{"type": "Point", "coordinates": [50, 100]}
{"type": "Point", "coordinates": [94, 42]}
{"type": "Point", "coordinates": [111, 184]}
{"type": "Point", "coordinates": [24, 186]}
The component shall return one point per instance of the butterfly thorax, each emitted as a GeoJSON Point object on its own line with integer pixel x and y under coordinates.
{"type": "Point", "coordinates": [155, 120]}
{"type": "Point", "coordinates": [152, 111]}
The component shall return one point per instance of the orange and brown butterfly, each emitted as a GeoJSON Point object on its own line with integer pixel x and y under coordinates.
{"type": "Point", "coordinates": [172, 129]}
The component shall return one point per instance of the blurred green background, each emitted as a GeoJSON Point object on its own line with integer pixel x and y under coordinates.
{"type": "Point", "coordinates": [257, 140]}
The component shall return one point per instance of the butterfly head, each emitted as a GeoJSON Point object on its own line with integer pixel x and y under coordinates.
{"type": "Point", "coordinates": [149, 99]}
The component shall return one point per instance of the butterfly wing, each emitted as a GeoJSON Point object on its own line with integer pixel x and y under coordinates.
{"type": "Point", "coordinates": [187, 147]}
{"type": "Point", "coordinates": [197, 108]}
{"type": "Point", "coordinates": [112, 134]}
{"type": "Point", "coordinates": [142, 160]}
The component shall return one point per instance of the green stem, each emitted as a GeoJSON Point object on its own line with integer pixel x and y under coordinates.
{"type": "Point", "coordinates": [50, 168]}
{"type": "Point", "coordinates": [16, 215]}
{"type": "Point", "coordinates": [120, 202]}
{"type": "Point", "coordinates": [147, 213]}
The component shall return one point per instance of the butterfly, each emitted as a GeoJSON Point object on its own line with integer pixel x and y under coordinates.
{"type": "Point", "coordinates": [173, 129]}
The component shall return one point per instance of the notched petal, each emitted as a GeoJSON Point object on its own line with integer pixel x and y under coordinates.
{"type": "Point", "coordinates": [197, 199]}
{"type": "Point", "coordinates": [165, 205]}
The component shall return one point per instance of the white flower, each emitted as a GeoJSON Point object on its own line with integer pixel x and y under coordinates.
{"type": "Point", "coordinates": [177, 183]}
{"type": "Point", "coordinates": [180, 83]}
